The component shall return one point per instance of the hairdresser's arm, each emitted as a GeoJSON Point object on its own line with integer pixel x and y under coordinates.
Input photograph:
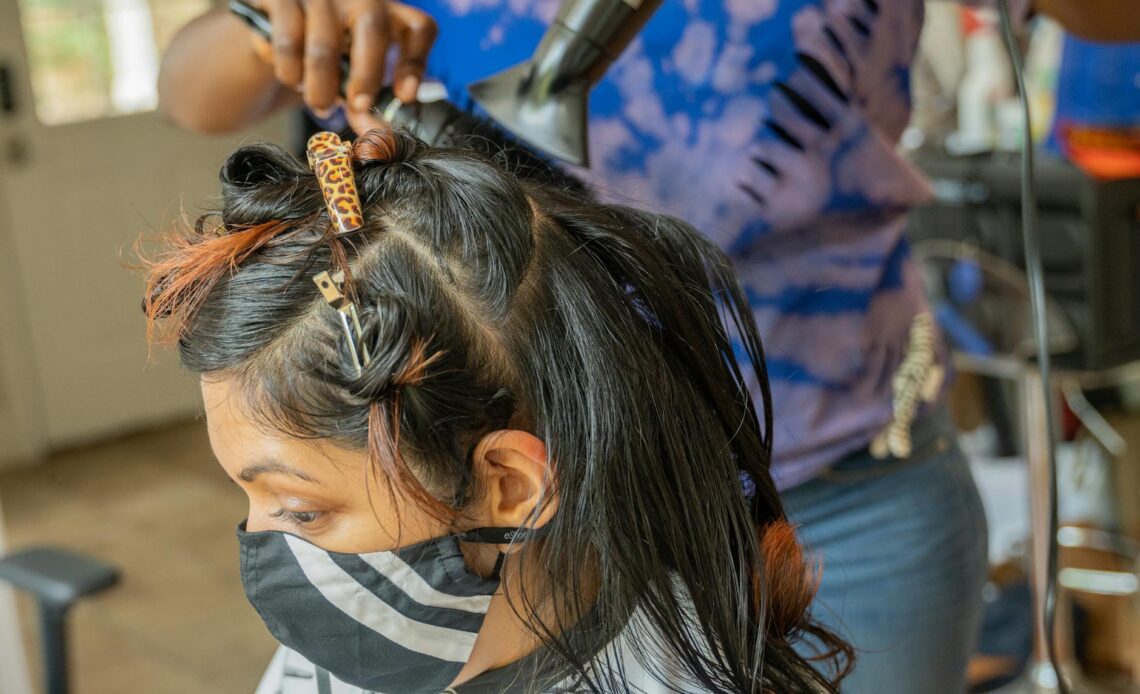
{"type": "Point", "coordinates": [217, 77]}
{"type": "Point", "coordinates": [213, 80]}
{"type": "Point", "coordinates": [1096, 20]}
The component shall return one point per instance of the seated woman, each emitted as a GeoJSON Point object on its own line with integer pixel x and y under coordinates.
{"type": "Point", "coordinates": [503, 445]}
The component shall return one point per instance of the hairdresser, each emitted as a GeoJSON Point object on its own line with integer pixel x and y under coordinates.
{"type": "Point", "coordinates": [771, 126]}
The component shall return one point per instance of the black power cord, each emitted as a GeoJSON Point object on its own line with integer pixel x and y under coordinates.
{"type": "Point", "coordinates": [1036, 276]}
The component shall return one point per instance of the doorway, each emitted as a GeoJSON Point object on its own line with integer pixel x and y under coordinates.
{"type": "Point", "coordinates": [87, 166]}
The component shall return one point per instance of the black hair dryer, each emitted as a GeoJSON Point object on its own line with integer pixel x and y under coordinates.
{"type": "Point", "coordinates": [545, 100]}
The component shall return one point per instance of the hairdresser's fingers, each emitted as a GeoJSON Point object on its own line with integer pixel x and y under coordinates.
{"type": "Point", "coordinates": [363, 121]}
{"type": "Point", "coordinates": [263, 49]}
{"type": "Point", "coordinates": [322, 56]}
{"type": "Point", "coordinates": [415, 30]}
{"type": "Point", "coordinates": [288, 22]}
{"type": "Point", "coordinates": [369, 25]}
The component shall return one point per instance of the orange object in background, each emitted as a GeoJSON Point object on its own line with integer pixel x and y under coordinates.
{"type": "Point", "coordinates": [1103, 152]}
{"type": "Point", "coordinates": [1098, 107]}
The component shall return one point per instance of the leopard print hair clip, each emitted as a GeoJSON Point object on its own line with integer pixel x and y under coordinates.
{"type": "Point", "coordinates": [331, 160]}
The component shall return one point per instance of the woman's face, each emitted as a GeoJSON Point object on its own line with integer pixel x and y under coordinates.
{"type": "Point", "coordinates": [323, 493]}
{"type": "Point", "coordinates": [329, 496]}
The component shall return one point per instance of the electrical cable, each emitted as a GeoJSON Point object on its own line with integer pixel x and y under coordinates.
{"type": "Point", "coordinates": [1036, 277]}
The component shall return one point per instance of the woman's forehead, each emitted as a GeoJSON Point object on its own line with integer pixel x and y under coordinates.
{"type": "Point", "coordinates": [247, 449]}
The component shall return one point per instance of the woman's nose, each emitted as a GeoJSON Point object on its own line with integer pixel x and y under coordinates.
{"type": "Point", "coordinates": [255, 522]}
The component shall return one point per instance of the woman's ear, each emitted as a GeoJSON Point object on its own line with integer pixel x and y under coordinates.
{"type": "Point", "coordinates": [513, 469]}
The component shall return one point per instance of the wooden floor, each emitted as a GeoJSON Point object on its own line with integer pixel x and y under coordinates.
{"type": "Point", "coordinates": [158, 507]}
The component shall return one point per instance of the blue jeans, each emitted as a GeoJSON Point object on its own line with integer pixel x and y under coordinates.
{"type": "Point", "coordinates": [903, 545]}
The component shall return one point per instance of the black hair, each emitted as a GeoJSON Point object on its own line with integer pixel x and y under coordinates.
{"type": "Point", "coordinates": [490, 299]}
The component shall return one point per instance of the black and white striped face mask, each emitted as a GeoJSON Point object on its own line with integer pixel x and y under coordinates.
{"type": "Point", "coordinates": [401, 621]}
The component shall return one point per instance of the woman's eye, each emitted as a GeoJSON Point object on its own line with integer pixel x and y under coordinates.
{"type": "Point", "coordinates": [297, 517]}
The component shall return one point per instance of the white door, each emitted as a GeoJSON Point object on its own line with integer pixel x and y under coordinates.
{"type": "Point", "coordinates": [86, 168]}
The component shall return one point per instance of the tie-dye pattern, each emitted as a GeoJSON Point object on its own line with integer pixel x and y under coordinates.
{"type": "Point", "coordinates": [772, 126]}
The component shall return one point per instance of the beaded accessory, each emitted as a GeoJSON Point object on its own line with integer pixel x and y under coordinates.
{"type": "Point", "coordinates": [918, 380]}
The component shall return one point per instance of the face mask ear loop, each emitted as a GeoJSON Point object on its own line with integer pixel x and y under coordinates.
{"type": "Point", "coordinates": [324, 681]}
{"type": "Point", "coordinates": [501, 536]}
{"type": "Point", "coordinates": [497, 572]}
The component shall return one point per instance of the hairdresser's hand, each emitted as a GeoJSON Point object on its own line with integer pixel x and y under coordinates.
{"type": "Point", "coordinates": [309, 37]}
{"type": "Point", "coordinates": [1095, 20]}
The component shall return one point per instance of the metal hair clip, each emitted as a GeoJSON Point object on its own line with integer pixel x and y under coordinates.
{"type": "Point", "coordinates": [331, 286]}
{"type": "Point", "coordinates": [392, 109]}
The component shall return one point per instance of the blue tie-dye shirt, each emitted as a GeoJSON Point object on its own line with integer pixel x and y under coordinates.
{"type": "Point", "coordinates": [772, 127]}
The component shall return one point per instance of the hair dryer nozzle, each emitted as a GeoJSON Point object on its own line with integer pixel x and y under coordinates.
{"type": "Point", "coordinates": [555, 124]}
{"type": "Point", "coordinates": [544, 100]}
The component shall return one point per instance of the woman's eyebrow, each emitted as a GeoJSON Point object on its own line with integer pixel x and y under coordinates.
{"type": "Point", "coordinates": [251, 472]}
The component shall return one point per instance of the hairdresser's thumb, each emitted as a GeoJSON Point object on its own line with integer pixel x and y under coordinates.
{"type": "Point", "coordinates": [361, 121]}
